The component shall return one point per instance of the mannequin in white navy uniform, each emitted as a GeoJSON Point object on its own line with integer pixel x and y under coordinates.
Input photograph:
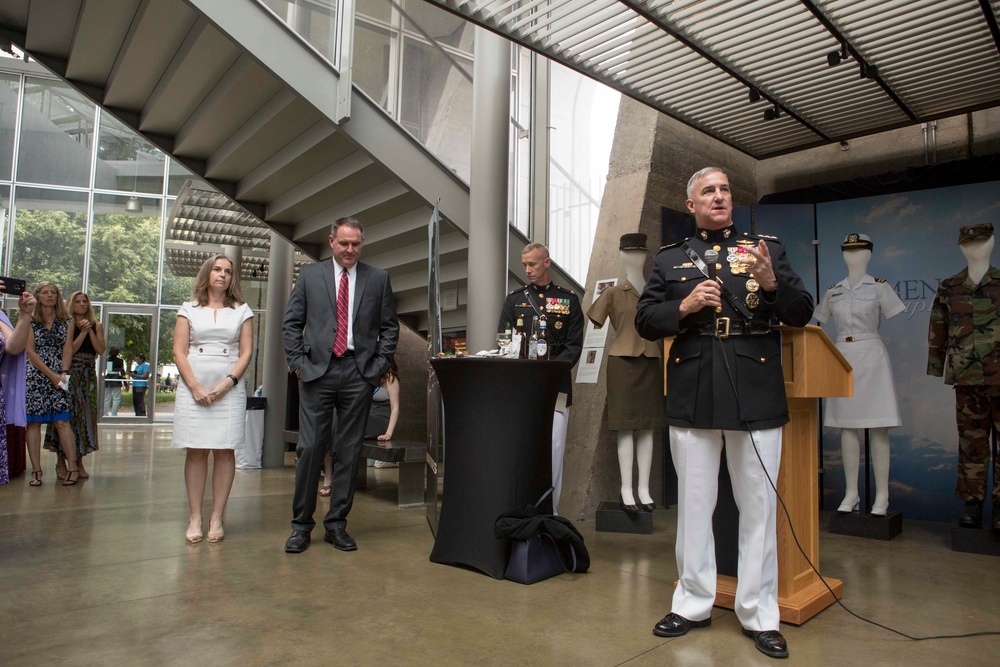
{"type": "Point", "coordinates": [634, 376]}
{"type": "Point", "coordinates": [856, 303]}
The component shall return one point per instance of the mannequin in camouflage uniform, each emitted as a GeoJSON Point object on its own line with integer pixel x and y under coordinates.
{"type": "Point", "coordinates": [964, 339]}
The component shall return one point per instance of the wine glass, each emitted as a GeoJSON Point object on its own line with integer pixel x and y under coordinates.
{"type": "Point", "coordinates": [503, 341]}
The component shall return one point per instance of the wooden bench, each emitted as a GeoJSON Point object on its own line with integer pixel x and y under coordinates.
{"type": "Point", "coordinates": [411, 455]}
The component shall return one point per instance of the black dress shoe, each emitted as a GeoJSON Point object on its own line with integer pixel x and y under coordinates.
{"type": "Point", "coordinates": [647, 507]}
{"type": "Point", "coordinates": [628, 509]}
{"type": "Point", "coordinates": [298, 542]}
{"type": "Point", "coordinates": [768, 642]}
{"type": "Point", "coordinates": [973, 516]}
{"type": "Point", "coordinates": [340, 540]}
{"type": "Point", "coordinates": [675, 625]}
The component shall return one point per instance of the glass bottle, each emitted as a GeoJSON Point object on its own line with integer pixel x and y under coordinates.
{"type": "Point", "coordinates": [522, 338]}
{"type": "Point", "coordinates": [542, 346]}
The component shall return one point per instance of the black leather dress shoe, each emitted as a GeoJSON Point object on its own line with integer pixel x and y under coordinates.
{"type": "Point", "coordinates": [768, 642]}
{"type": "Point", "coordinates": [675, 625]}
{"type": "Point", "coordinates": [340, 540]}
{"type": "Point", "coordinates": [973, 516]}
{"type": "Point", "coordinates": [298, 542]}
{"type": "Point", "coordinates": [647, 507]}
{"type": "Point", "coordinates": [627, 508]}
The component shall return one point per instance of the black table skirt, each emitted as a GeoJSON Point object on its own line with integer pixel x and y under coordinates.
{"type": "Point", "coordinates": [498, 452]}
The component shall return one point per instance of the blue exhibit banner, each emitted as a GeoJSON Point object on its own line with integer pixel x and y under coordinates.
{"type": "Point", "coordinates": [915, 247]}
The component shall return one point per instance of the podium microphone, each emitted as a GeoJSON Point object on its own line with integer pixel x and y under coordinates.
{"type": "Point", "coordinates": [711, 257]}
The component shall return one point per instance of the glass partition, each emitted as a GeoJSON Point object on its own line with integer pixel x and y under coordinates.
{"type": "Point", "coordinates": [426, 87]}
{"type": "Point", "coordinates": [50, 237]}
{"type": "Point", "coordinates": [436, 103]}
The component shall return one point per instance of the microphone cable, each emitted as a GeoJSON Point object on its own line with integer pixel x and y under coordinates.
{"type": "Point", "coordinates": [788, 518]}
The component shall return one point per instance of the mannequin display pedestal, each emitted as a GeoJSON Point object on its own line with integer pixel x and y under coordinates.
{"type": "Point", "coordinates": [613, 519]}
{"type": "Point", "coordinates": [872, 527]}
{"type": "Point", "coordinates": [984, 541]}
{"type": "Point", "coordinates": [858, 523]}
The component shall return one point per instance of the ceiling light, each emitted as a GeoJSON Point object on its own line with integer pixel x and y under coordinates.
{"type": "Point", "coordinates": [772, 113]}
{"type": "Point", "coordinates": [834, 58]}
{"type": "Point", "coordinates": [754, 95]}
{"type": "Point", "coordinates": [868, 71]}
{"type": "Point", "coordinates": [133, 205]}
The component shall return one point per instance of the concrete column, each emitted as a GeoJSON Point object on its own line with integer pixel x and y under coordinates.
{"type": "Point", "coordinates": [488, 228]}
{"type": "Point", "coordinates": [235, 253]}
{"type": "Point", "coordinates": [275, 381]}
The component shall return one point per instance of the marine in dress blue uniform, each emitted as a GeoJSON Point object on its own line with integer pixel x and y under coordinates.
{"type": "Point", "coordinates": [564, 323]}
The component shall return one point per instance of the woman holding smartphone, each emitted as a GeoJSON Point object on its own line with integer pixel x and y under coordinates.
{"type": "Point", "coordinates": [48, 399]}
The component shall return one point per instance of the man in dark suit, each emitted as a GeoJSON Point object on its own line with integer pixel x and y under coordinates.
{"type": "Point", "coordinates": [725, 388]}
{"type": "Point", "coordinates": [340, 332]}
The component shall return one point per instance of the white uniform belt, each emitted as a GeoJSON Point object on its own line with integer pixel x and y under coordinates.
{"type": "Point", "coordinates": [856, 337]}
{"type": "Point", "coordinates": [212, 349]}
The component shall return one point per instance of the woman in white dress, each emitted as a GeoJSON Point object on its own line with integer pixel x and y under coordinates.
{"type": "Point", "coordinates": [856, 304]}
{"type": "Point", "coordinates": [213, 343]}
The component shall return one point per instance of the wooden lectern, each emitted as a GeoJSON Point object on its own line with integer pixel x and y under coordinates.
{"type": "Point", "coordinates": [813, 368]}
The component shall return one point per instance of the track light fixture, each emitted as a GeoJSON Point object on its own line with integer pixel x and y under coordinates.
{"type": "Point", "coordinates": [868, 71]}
{"type": "Point", "coordinates": [834, 58]}
{"type": "Point", "coordinates": [754, 95]}
{"type": "Point", "coordinates": [772, 112]}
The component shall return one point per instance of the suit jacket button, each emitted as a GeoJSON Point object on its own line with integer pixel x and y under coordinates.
{"type": "Point", "coordinates": [201, 349]}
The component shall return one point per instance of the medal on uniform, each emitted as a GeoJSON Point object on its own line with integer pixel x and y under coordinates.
{"type": "Point", "coordinates": [753, 300]}
{"type": "Point", "coordinates": [558, 324]}
{"type": "Point", "coordinates": [752, 285]}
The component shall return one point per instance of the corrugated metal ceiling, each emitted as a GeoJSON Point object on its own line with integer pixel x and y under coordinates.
{"type": "Point", "coordinates": [818, 71]}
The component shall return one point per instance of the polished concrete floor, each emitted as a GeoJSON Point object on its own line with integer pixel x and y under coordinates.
{"type": "Point", "coordinates": [99, 574]}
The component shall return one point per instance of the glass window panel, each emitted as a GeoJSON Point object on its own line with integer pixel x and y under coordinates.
{"type": "Point", "coordinates": [444, 27]}
{"type": "Point", "coordinates": [177, 174]}
{"type": "Point", "coordinates": [520, 181]}
{"type": "Point", "coordinates": [126, 161]}
{"type": "Point", "coordinates": [254, 376]}
{"type": "Point", "coordinates": [437, 105]}
{"type": "Point", "coordinates": [166, 370]}
{"type": "Point", "coordinates": [124, 246]}
{"type": "Point", "coordinates": [372, 56]}
{"type": "Point", "coordinates": [50, 232]}
{"type": "Point", "coordinates": [583, 114]}
{"type": "Point", "coordinates": [9, 88]}
{"type": "Point", "coordinates": [376, 9]}
{"type": "Point", "coordinates": [57, 131]}
{"type": "Point", "coordinates": [253, 281]}
{"type": "Point", "coordinates": [4, 218]}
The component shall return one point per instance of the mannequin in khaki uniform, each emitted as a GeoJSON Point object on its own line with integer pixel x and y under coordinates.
{"type": "Point", "coordinates": [635, 376]}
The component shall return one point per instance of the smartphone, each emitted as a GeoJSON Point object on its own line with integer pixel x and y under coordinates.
{"type": "Point", "coordinates": [14, 286]}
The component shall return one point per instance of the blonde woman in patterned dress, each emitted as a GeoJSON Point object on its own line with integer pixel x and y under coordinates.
{"type": "Point", "coordinates": [47, 403]}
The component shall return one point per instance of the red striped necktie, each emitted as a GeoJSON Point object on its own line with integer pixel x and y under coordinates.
{"type": "Point", "coordinates": [343, 299]}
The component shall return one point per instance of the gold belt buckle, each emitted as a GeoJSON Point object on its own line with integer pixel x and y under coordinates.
{"type": "Point", "coordinates": [849, 339]}
{"type": "Point", "coordinates": [722, 327]}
